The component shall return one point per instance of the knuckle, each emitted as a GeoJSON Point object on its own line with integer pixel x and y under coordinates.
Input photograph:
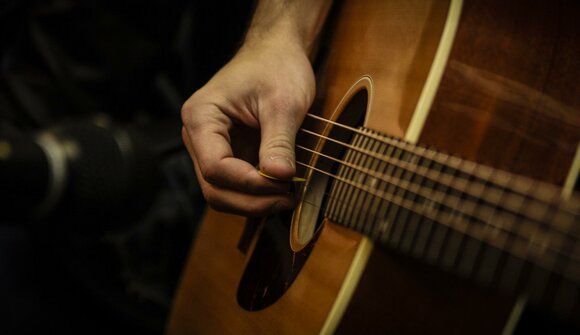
{"type": "Point", "coordinates": [215, 202]}
{"type": "Point", "coordinates": [186, 112]}
{"type": "Point", "coordinates": [280, 141]}
{"type": "Point", "coordinates": [189, 108]}
{"type": "Point", "coordinates": [210, 174]}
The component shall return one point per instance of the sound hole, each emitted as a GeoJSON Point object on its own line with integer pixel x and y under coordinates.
{"type": "Point", "coordinates": [274, 265]}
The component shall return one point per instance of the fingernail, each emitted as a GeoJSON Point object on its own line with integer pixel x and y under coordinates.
{"type": "Point", "coordinates": [282, 158]}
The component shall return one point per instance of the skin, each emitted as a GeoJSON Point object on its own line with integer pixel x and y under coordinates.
{"type": "Point", "coordinates": [247, 116]}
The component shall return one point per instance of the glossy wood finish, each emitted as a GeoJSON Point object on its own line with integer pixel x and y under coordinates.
{"type": "Point", "coordinates": [206, 302]}
{"type": "Point", "coordinates": [510, 84]}
{"type": "Point", "coordinates": [510, 96]}
{"type": "Point", "coordinates": [404, 35]}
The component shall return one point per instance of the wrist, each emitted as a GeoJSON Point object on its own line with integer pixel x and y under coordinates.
{"type": "Point", "coordinates": [296, 23]}
{"type": "Point", "coordinates": [283, 32]}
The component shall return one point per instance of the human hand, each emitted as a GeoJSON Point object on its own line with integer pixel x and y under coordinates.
{"type": "Point", "coordinates": [247, 115]}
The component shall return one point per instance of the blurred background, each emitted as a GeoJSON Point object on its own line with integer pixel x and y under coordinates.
{"type": "Point", "coordinates": [99, 202]}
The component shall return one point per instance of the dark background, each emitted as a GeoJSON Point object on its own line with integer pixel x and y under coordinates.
{"type": "Point", "coordinates": [96, 264]}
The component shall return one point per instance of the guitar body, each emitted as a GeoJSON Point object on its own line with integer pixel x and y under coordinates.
{"type": "Point", "coordinates": [494, 82]}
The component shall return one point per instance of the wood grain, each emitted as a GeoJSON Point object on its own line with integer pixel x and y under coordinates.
{"type": "Point", "coordinates": [510, 96]}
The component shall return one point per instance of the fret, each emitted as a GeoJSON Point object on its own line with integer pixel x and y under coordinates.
{"type": "Point", "coordinates": [338, 188]}
{"type": "Point", "coordinates": [426, 224]}
{"type": "Point", "coordinates": [386, 213]}
{"type": "Point", "coordinates": [570, 246]}
{"type": "Point", "coordinates": [441, 230]}
{"type": "Point", "coordinates": [471, 246]}
{"type": "Point", "coordinates": [358, 178]}
{"type": "Point", "coordinates": [382, 226]}
{"type": "Point", "coordinates": [455, 239]}
{"type": "Point", "coordinates": [397, 212]}
{"type": "Point", "coordinates": [344, 190]}
{"type": "Point", "coordinates": [491, 266]}
{"type": "Point", "coordinates": [404, 214]}
{"type": "Point", "coordinates": [370, 220]}
{"type": "Point", "coordinates": [332, 203]}
{"type": "Point", "coordinates": [364, 202]}
{"type": "Point", "coordinates": [466, 218]}
{"type": "Point", "coordinates": [494, 261]}
{"type": "Point", "coordinates": [415, 218]}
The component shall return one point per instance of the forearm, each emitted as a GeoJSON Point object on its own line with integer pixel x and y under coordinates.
{"type": "Point", "coordinates": [290, 21]}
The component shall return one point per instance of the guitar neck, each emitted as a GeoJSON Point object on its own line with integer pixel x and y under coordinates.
{"type": "Point", "coordinates": [498, 228]}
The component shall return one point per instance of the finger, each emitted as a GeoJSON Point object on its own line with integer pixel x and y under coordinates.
{"type": "Point", "coordinates": [235, 202]}
{"type": "Point", "coordinates": [218, 166]}
{"type": "Point", "coordinates": [279, 128]}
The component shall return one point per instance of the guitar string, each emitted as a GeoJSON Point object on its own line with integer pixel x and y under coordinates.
{"type": "Point", "coordinates": [521, 186]}
{"type": "Point", "coordinates": [521, 249]}
{"type": "Point", "coordinates": [459, 184]}
{"type": "Point", "coordinates": [430, 174]}
{"type": "Point", "coordinates": [417, 190]}
{"type": "Point", "coordinates": [535, 226]}
{"type": "Point", "coordinates": [483, 217]}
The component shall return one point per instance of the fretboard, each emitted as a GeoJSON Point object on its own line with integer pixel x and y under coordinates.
{"type": "Point", "coordinates": [498, 228]}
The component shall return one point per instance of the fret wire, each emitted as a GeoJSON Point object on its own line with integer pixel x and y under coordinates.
{"type": "Point", "coordinates": [422, 238]}
{"type": "Point", "coordinates": [417, 189]}
{"type": "Point", "coordinates": [570, 240]}
{"type": "Point", "coordinates": [440, 199]}
{"type": "Point", "coordinates": [363, 199]}
{"type": "Point", "coordinates": [346, 189]}
{"type": "Point", "coordinates": [374, 202]}
{"type": "Point", "coordinates": [518, 248]}
{"type": "Point", "coordinates": [416, 219]}
{"type": "Point", "coordinates": [504, 258]}
{"type": "Point", "coordinates": [456, 183]}
{"type": "Point", "coordinates": [491, 255]}
{"type": "Point", "coordinates": [467, 166]}
{"type": "Point", "coordinates": [390, 210]}
{"type": "Point", "coordinates": [357, 193]}
{"type": "Point", "coordinates": [456, 202]}
{"type": "Point", "coordinates": [384, 227]}
{"type": "Point", "coordinates": [349, 193]}
{"type": "Point", "coordinates": [341, 187]}
{"type": "Point", "coordinates": [403, 214]}
{"type": "Point", "coordinates": [576, 275]}
{"type": "Point", "coordinates": [446, 233]}
{"type": "Point", "coordinates": [368, 200]}
{"type": "Point", "coordinates": [354, 192]}
{"type": "Point", "coordinates": [331, 202]}
{"type": "Point", "coordinates": [522, 182]}
{"type": "Point", "coordinates": [393, 141]}
{"type": "Point", "coordinates": [445, 195]}
{"type": "Point", "coordinates": [559, 262]}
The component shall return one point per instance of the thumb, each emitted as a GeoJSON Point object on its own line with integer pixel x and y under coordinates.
{"type": "Point", "coordinates": [277, 158]}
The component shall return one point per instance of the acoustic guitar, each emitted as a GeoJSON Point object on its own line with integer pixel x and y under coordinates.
{"type": "Point", "coordinates": [392, 236]}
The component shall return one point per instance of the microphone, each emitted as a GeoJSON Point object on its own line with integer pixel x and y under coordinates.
{"type": "Point", "coordinates": [82, 170]}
